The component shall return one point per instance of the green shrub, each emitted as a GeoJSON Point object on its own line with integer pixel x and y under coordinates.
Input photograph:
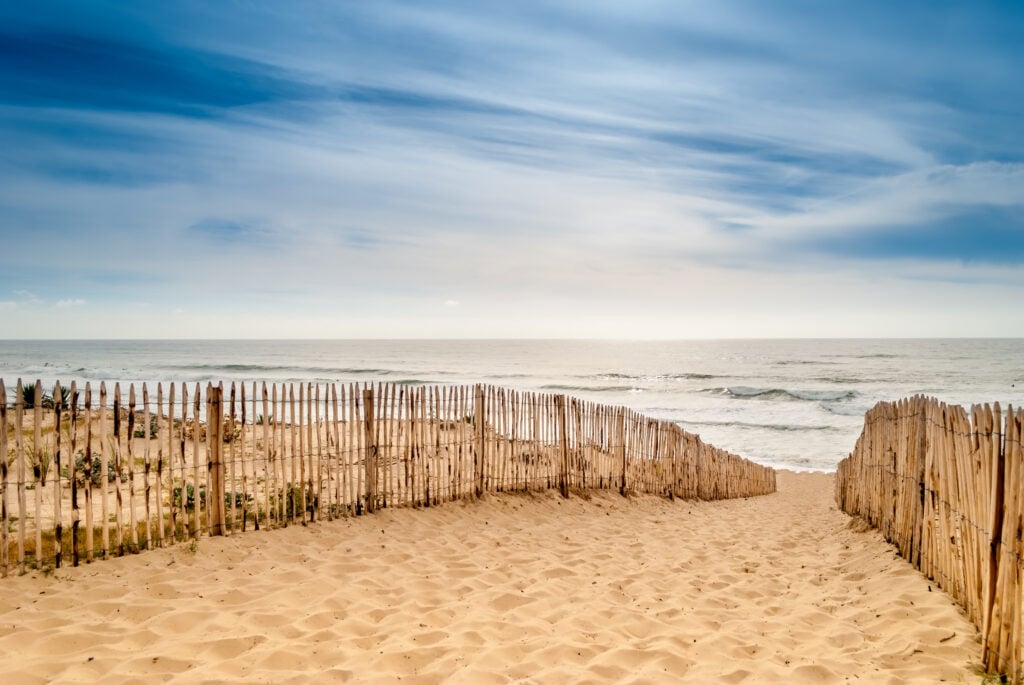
{"type": "Point", "coordinates": [96, 476]}
{"type": "Point", "coordinates": [190, 497]}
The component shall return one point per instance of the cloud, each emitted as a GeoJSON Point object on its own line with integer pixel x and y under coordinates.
{"type": "Point", "coordinates": [224, 232]}
{"type": "Point", "coordinates": [367, 162]}
{"type": "Point", "coordinates": [73, 302]}
{"type": "Point", "coordinates": [971, 212]}
{"type": "Point", "coordinates": [83, 71]}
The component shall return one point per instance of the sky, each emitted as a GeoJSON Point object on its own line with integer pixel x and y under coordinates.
{"type": "Point", "coordinates": [392, 169]}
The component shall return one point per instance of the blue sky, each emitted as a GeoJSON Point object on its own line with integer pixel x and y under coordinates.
{"type": "Point", "coordinates": [494, 169]}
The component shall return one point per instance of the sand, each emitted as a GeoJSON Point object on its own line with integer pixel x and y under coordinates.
{"type": "Point", "coordinates": [531, 588]}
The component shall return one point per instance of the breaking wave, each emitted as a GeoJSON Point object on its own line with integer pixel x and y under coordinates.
{"type": "Point", "coordinates": [744, 392]}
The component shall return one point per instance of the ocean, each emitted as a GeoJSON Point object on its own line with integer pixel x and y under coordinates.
{"type": "Point", "coordinates": [795, 404]}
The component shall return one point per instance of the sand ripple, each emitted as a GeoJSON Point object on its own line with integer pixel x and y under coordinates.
{"type": "Point", "coordinates": [778, 589]}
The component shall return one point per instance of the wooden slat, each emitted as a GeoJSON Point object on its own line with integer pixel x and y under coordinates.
{"type": "Point", "coordinates": [5, 561]}
{"type": "Point", "coordinates": [317, 471]}
{"type": "Point", "coordinates": [58, 523]}
{"type": "Point", "coordinates": [134, 532]}
{"type": "Point", "coordinates": [198, 475]}
{"type": "Point", "coordinates": [337, 461]}
{"type": "Point", "coordinates": [264, 422]}
{"type": "Point", "coordinates": [104, 471]}
{"type": "Point", "coordinates": [72, 459]}
{"type": "Point", "coordinates": [233, 505]}
{"type": "Point", "coordinates": [37, 470]}
{"type": "Point", "coordinates": [19, 457]}
{"type": "Point", "coordinates": [147, 466]}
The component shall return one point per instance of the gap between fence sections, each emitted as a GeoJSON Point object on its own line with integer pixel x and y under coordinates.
{"type": "Point", "coordinates": [948, 490]}
{"type": "Point", "coordinates": [112, 472]}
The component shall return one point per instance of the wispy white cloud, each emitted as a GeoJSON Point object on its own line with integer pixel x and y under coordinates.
{"type": "Point", "coordinates": [366, 165]}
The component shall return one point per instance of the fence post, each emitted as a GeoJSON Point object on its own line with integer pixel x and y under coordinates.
{"type": "Point", "coordinates": [563, 440]}
{"type": "Point", "coordinates": [480, 416]}
{"type": "Point", "coordinates": [371, 450]}
{"type": "Point", "coordinates": [674, 443]}
{"type": "Point", "coordinates": [997, 493]}
{"type": "Point", "coordinates": [622, 448]}
{"type": "Point", "coordinates": [58, 528]}
{"type": "Point", "coordinates": [215, 442]}
{"type": "Point", "coordinates": [3, 481]}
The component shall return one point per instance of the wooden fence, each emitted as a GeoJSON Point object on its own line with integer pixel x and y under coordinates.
{"type": "Point", "coordinates": [89, 473]}
{"type": "Point", "coordinates": [948, 490]}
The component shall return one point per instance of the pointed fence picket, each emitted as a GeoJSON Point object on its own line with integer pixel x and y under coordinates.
{"type": "Point", "coordinates": [947, 489]}
{"type": "Point", "coordinates": [107, 479]}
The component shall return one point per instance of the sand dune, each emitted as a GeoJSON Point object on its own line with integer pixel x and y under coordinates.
{"type": "Point", "coordinates": [776, 589]}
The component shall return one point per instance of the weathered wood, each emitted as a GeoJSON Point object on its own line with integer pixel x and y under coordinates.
{"type": "Point", "coordinates": [435, 479]}
{"type": "Point", "coordinates": [946, 489]}
{"type": "Point", "coordinates": [58, 523]}
{"type": "Point", "coordinates": [231, 491]}
{"type": "Point", "coordinates": [402, 465]}
{"type": "Point", "coordinates": [88, 474]}
{"type": "Point", "coordinates": [268, 473]}
{"type": "Point", "coordinates": [215, 443]}
{"type": "Point", "coordinates": [303, 450]}
{"type": "Point", "coordinates": [355, 468]}
{"type": "Point", "coordinates": [146, 466]}
{"type": "Point", "coordinates": [318, 474]}
{"type": "Point", "coordinates": [621, 437]}
{"type": "Point", "coordinates": [104, 467]}
{"type": "Point", "coordinates": [248, 487]}
{"type": "Point", "coordinates": [37, 470]}
{"type": "Point", "coordinates": [480, 437]}
{"type": "Point", "coordinates": [995, 522]}
{"type": "Point", "coordinates": [296, 495]}
{"type": "Point", "coordinates": [399, 445]}
{"type": "Point", "coordinates": [118, 470]}
{"type": "Point", "coordinates": [72, 464]}
{"type": "Point", "coordinates": [159, 475]}
{"type": "Point", "coordinates": [198, 482]}
{"type": "Point", "coordinates": [370, 430]}
{"type": "Point", "coordinates": [335, 488]}
{"type": "Point", "coordinates": [19, 457]}
{"type": "Point", "coordinates": [424, 460]}
{"type": "Point", "coordinates": [563, 446]}
{"type": "Point", "coordinates": [283, 459]}
{"type": "Point", "coordinates": [4, 516]}
{"type": "Point", "coordinates": [130, 467]}
{"type": "Point", "coordinates": [174, 506]}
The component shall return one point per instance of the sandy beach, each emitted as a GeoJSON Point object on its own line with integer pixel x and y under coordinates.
{"type": "Point", "coordinates": [530, 588]}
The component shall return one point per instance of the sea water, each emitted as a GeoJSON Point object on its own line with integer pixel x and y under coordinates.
{"type": "Point", "coordinates": [788, 403]}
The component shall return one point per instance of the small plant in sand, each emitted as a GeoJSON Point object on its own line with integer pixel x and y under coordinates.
{"type": "Point", "coordinates": [28, 395]}
{"type": "Point", "coordinates": [65, 398]}
{"type": "Point", "coordinates": [95, 476]}
{"type": "Point", "coordinates": [189, 492]}
{"type": "Point", "coordinates": [140, 430]}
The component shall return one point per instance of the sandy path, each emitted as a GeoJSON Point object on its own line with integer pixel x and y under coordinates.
{"type": "Point", "coordinates": [776, 589]}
